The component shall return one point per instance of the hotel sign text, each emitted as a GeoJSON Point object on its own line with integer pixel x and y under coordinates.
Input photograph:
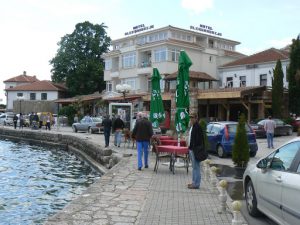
{"type": "Point", "coordinates": [139, 28]}
{"type": "Point", "coordinates": [206, 29]}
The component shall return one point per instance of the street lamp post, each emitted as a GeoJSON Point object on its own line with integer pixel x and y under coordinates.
{"type": "Point", "coordinates": [124, 89]}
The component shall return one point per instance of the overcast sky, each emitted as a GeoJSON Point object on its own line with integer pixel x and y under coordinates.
{"type": "Point", "coordinates": [30, 29]}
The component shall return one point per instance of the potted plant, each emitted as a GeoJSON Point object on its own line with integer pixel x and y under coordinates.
{"type": "Point", "coordinates": [240, 149]}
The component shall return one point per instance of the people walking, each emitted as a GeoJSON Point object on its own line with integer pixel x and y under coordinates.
{"type": "Point", "coordinates": [195, 143]}
{"type": "Point", "coordinates": [15, 120]}
{"type": "Point", "coordinates": [107, 124]}
{"type": "Point", "coordinates": [21, 118]}
{"type": "Point", "coordinates": [118, 127]}
{"type": "Point", "coordinates": [142, 132]}
{"type": "Point", "coordinates": [48, 121]}
{"type": "Point", "coordinates": [270, 126]}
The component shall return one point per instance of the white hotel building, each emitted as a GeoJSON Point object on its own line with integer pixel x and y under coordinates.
{"type": "Point", "coordinates": [223, 82]}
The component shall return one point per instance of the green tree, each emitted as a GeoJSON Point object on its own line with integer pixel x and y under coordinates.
{"type": "Point", "coordinates": [277, 90]}
{"type": "Point", "coordinates": [240, 149]}
{"type": "Point", "coordinates": [78, 60]}
{"type": "Point", "coordinates": [68, 111]}
{"type": "Point", "coordinates": [294, 77]}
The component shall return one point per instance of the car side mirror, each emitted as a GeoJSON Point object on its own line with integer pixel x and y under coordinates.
{"type": "Point", "coordinates": [262, 164]}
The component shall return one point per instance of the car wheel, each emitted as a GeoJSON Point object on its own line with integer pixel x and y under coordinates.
{"type": "Point", "coordinates": [220, 151]}
{"type": "Point", "coordinates": [251, 201]}
{"type": "Point", "coordinates": [74, 129]}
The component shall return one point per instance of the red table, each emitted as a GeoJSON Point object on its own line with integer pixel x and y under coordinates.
{"type": "Point", "coordinates": [173, 142]}
{"type": "Point", "coordinates": [165, 138]}
{"type": "Point", "coordinates": [173, 152]}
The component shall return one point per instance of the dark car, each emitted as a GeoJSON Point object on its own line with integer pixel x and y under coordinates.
{"type": "Point", "coordinates": [221, 137]}
{"type": "Point", "coordinates": [88, 124]}
{"type": "Point", "coordinates": [281, 128]}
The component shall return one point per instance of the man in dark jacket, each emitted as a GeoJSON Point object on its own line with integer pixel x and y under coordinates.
{"type": "Point", "coordinates": [118, 127]}
{"type": "Point", "coordinates": [142, 132]}
{"type": "Point", "coordinates": [107, 124]}
{"type": "Point", "coordinates": [196, 141]}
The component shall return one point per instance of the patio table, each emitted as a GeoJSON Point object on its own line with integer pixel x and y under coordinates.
{"type": "Point", "coordinates": [172, 152]}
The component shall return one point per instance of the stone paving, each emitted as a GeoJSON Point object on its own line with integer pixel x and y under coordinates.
{"type": "Point", "coordinates": [126, 196]}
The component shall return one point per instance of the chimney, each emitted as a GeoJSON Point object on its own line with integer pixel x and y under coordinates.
{"type": "Point", "coordinates": [24, 73]}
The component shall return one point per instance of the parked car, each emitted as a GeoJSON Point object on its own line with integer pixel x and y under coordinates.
{"type": "Point", "coordinates": [26, 122]}
{"type": "Point", "coordinates": [6, 119]}
{"type": "Point", "coordinates": [88, 124]}
{"type": "Point", "coordinates": [221, 137]}
{"type": "Point", "coordinates": [281, 128]}
{"type": "Point", "coordinates": [272, 185]}
{"type": "Point", "coordinates": [296, 124]}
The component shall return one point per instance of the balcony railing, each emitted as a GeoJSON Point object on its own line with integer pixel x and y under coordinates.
{"type": "Point", "coordinates": [144, 64]}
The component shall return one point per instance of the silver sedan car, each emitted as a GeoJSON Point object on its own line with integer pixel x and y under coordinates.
{"type": "Point", "coordinates": [272, 186]}
{"type": "Point", "coordinates": [88, 124]}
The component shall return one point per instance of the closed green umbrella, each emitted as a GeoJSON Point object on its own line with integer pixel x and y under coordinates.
{"type": "Point", "coordinates": [182, 93]}
{"type": "Point", "coordinates": [157, 112]}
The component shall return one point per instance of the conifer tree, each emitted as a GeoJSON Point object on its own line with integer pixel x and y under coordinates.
{"type": "Point", "coordinates": [240, 149]}
{"type": "Point", "coordinates": [277, 91]}
{"type": "Point", "coordinates": [294, 77]}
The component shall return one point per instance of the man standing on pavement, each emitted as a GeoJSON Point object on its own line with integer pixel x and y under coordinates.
{"type": "Point", "coordinates": [269, 128]}
{"type": "Point", "coordinates": [142, 132]}
{"type": "Point", "coordinates": [118, 127]}
{"type": "Point", "coordinates": [107, 124]}
{"type": "Point", "coordinates": [195, 142]}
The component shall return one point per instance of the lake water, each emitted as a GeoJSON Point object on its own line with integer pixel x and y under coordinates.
{"type": "Point", "coordinates": [37, 181]}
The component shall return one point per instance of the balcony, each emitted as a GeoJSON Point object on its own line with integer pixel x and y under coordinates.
{"type": "Point", "coordinates": [115, 74]}
{"type": "Point", "coordinates": [144, 68]}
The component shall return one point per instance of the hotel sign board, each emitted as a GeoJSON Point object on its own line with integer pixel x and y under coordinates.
{"type": "Point", "coordinates": [206, 29]}
{"type": "Point", "coordinates": [139, 28]}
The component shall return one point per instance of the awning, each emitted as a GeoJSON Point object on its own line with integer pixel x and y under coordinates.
{"type": "Point", "coordinates": [200, 76]}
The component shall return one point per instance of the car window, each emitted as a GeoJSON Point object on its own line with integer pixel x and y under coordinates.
{"type": "Point", "coordinates": [216, 129]}
{"type": "Point", "coordinates": [97, 119]}
{"type": "Point", "coordinates": [284, 157]}
{"type": "Point", "coordinates": [262, 122]}
{"type": "Point", "coordinates": [279, 122]}
{"type": "Point", "coordinates": [208, 128]}
{"type": "Point", "coordinates": [233, 127]}
{"type": "Point", "coordinates": [3, 116]}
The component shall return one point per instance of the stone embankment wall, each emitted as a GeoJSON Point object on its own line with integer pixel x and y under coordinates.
{"type": "Point", "coordinates": [100, 158]}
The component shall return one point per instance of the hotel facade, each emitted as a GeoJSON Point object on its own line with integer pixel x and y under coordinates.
{"type": "Point", "coordinates": [133, 58]}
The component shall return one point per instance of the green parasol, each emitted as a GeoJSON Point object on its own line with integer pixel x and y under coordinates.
{"type": "Point", "coordinates": [182, 93]}
{"type": "Point", "coordinates": [157, 112]}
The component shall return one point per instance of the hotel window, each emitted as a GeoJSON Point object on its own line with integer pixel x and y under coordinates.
{"type": "Point", "coordinates": [43, 96]}
{"type": "Point", "coordinates": [129, 60]}
{"type": "Point", "coordinates": [32, 96]}
{"type": "Point", "coordinates": [263, 80]}
{"type": "Point", "coordinates": [149, 85]}
{"type": "Point", "coordinates": [19, 94]}
{"type": "Point", "coordinates": [160, 55]}
{"type": "Point", "coordinates": [108, 86]}
{"type": "Point", "coordinates": [211, 43]}
{"type": "Point", "coordinates": [130, 82]}
{"type": "Point", "coordinates": [242, 81]}
{"type": "Point", "coordinates": [229, 82]}
{"type": "Point", "coordinates": [108, 64]}
{"type": "Point", "coordinates": [175, 55]}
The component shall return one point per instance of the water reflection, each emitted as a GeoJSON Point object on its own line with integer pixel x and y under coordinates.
{"type": "Point", "coordinates": [37, 181]}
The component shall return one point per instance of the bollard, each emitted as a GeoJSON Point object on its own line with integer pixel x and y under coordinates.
{"type": "Point", "coordinates": [206, 169]}
{"type": "Point", "coordinates": [223, 196]}
{"type": "Point", "coordinates": [213, 178]}
{"type": "Point", "coordinates": [236, 206]}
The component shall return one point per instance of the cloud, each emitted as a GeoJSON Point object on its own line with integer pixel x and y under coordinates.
{"type": "Point", "coordinates": [280, 43]}
{"type": "Point", "coordinates": [197, 6]}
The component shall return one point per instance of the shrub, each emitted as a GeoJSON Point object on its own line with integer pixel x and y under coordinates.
{"type": "Point", "coordinates": [68, 111]}
{"type": "Point", "coordinates": [240, 151]}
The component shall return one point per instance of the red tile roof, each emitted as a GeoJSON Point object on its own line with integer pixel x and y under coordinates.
{"type": "Point", "coordinates": [193, 75]}
{"type": "Point", "coordinates": [43, 85]}
{"type": "Point", "coordinates": [22, 78]}
{"type": "Point", "coordinates": [269, 55]}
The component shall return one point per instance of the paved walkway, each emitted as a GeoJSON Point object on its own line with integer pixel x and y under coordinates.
{"type": "Point", "coordinates": [126, 196]}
